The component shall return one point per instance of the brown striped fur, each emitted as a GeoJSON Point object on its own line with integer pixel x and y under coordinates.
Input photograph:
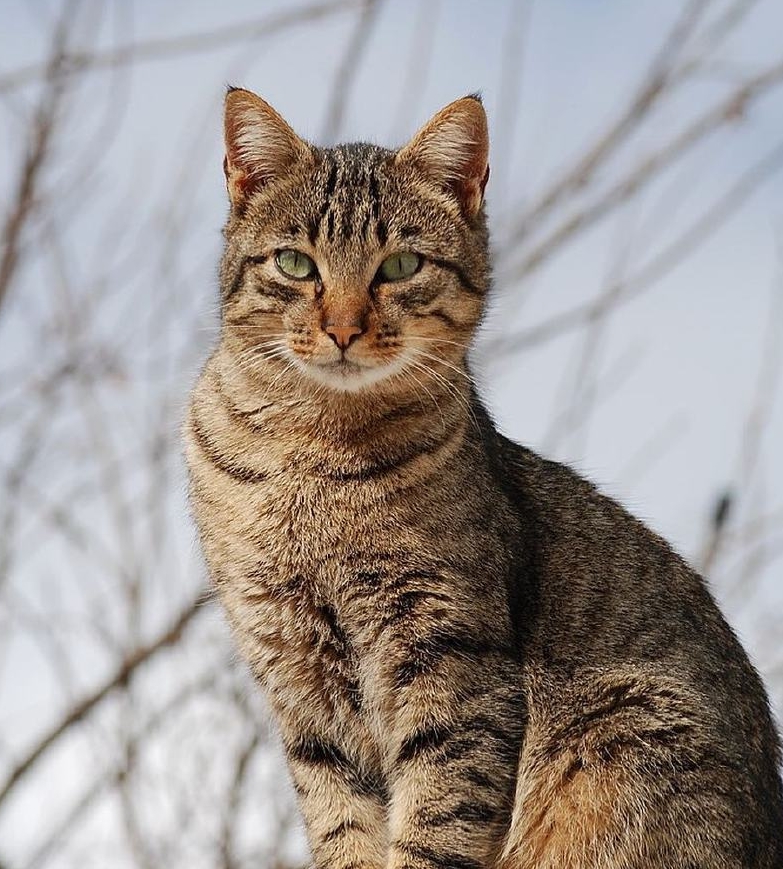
{"type": "Point", "coordinates": [475, 659]}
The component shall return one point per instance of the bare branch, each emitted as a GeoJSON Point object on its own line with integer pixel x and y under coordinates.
{"type": "Point", "coordinates": [654, 85]}
{"type": "Point", "coordinates": [669, 258]}
{"type": "Point", "coordinates": [41, 132]}
{"type": "Point", "coordinates": [242, 765]}
{"type": "Point", "coordinates": [348, 69]}
{"type": "Point", "coordinates": [169, 636]}
{"type": "Point", "coordinates": [724, 113]}
{"type": "Point", "coordinates": [166, 48]}
{"type": "Point", "coordinates": [417, 66]}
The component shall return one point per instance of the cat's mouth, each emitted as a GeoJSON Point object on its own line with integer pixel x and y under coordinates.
{"type": "Point", "coordinates": [350, 375]}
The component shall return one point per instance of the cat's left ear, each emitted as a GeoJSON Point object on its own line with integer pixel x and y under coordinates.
{"type": "Point", "coordinates": [453, 149]}
{"type": "Point", "coordinates": [260, 145]}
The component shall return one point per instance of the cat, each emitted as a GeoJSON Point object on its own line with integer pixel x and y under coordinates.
{"type": "Point", "coordinates": [474, 658]}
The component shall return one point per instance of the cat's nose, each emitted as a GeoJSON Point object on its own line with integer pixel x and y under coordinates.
{"type": "Point", "coordinates": [343, 335]}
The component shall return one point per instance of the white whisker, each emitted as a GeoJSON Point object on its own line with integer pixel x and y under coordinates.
{"type": "Point", "coordinates": [450, 387]}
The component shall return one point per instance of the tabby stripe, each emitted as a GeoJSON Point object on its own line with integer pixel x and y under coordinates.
{"type": "Point", "coordinates": [403, 581]}
{"type": "Point", "coordinates": [460, 747]}
{"type": "Point", "coordinates": [457, 270]}
{"type": "Point", "coordinates": [480, 724]}
{"type": "Point", "coordinates": [409, 231]}
{"type": "Point", "coordinates": [329, 616]}
{"type": "Point", "coordinates": [381, 469]}
{"type": "Point", "coordinates": [415, 299]}
{"type": "Point", "coordinates": [615, 701]}
{"type": "Point", "coordinates": [403, 411]}
{"type": "Point", "coordinates": [439, 314]}
{"type": "Point", "coordinates": [382, 232]}
{"type": "Point", "coordinates": [479, 778]}
{"type": "Point", "coordinates": [341, 829]}
{"type": "Point", "coordinates": [403, 605]}
{"type": "Point", "coordinates": [235, 411]}
{"type": "Point", "coordinates": [365, 225]}
{"type": "Point", "coordinates": [313, 751]}
{"type": "Point", "coordinates": [428, 652]}
{"type": "Point", "coordinates": [346, 223]}
{"type": "Point", "coordinates": [280, 291]}
{"type": "Point", "coordinates": [314, 227]}
{"type": "Point", "coordinates": [375, 195]}
{"type": "Point", "coordinates": [243, 417]}
{"type": "Point", "coordinates": [422, 741]}
{"type": "Point", "coordinates": [216, 458]}
{"type": "Point", "coordinates": [331, 183]}
{"type": "Point", "coordinates": [437, 858]}
{"type": "Point", "coordinates": [477, 733]}
{"type": "Point", "coordinates": [355, 697]}
{"type": "Point", "coordinates": [239, 278]}
{"type": "Point", "coordinates": [474, 813]}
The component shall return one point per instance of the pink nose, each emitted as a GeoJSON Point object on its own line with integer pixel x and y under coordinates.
{"type": "Point", "coordinates": [343, 335]}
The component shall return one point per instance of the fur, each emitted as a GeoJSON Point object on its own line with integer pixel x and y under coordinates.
{"type": "Point", "coordinates": [475, 659]}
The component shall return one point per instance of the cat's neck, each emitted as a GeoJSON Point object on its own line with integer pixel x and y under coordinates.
{"type": "Point", "coordinates": [402, 411]}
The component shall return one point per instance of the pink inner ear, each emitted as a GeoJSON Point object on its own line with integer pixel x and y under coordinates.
{"type": "Point", "coordinates": [259, 144]}
{"type": "Point", "coordinates": [453, 148]}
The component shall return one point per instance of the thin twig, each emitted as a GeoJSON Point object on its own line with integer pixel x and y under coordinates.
{"type": "Point", "coordinates": [653, 87]}
{"type": "Point", "coordinates": [42, 129]}
{"type": "Point", "coordinates": [643, 172]}
{"type": "Point", "coordinates": [348, 69]}
{"type": "Point", "coordinates": [75, 63]}
{"type": "Point", "coordinates": [669, 258]}
{"type": "Point", "coordinates": [169, 636]}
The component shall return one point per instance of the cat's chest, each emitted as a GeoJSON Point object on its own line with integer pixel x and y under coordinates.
{"type": "Point", "coordinates": [316, 572]}
{"type": "Point", "coordinates": [299, 534]}
{"type": "Point", "coordinates": [333, 536]}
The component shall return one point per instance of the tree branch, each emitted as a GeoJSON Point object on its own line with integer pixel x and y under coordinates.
{"type": "Point", "coordinates": [120, 677]}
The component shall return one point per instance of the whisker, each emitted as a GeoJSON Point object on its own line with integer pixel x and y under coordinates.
{"type": "Point", "coordinates": [445, 362]}
{"type": "Point", "coordinates": [451, 388]}
{"type": "Point", "coordinates": [462, 344]}
{"type": "Point", "coordinates": [416, 380]}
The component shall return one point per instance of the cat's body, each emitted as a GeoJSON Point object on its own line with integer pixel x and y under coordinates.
{"type": "Point", "coordinates": [474, 658]}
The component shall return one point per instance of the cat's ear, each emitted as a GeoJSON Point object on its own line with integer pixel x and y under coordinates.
{"type": "Point", "coordinates": [453, 149]}
{"type": "Point", "coordinates": [260, 145]}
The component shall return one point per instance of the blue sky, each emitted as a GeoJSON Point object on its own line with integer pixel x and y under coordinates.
{"type": "Point", "coordinates": [677, 367]}
{"type": "Point", "coordinates": [695, 339]}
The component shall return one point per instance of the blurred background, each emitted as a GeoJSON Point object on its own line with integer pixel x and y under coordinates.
{"type": "Point", "coordinates": [635, 332]}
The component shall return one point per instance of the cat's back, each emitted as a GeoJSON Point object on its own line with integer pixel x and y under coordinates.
{"type": "Point", "coordinates": [608, 585]}
{"type": "Point", "coordinates": [627, 645]}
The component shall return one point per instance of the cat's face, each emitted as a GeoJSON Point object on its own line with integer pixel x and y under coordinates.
{"type": "Point", "coordinates": [356, 266]}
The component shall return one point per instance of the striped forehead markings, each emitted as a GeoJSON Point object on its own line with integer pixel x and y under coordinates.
{"type": "Point", "coordinates": [314, 227]}
{"type": "Point", "coordinates": [351, 201]}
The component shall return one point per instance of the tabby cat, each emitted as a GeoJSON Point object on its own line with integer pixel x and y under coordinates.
{"type": "Point", "coordinates": [474, 658]}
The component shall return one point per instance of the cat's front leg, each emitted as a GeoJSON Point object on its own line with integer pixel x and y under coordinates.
{"type": "Point", "coordinates": [455, 722]}
{"type": "Point", "coordinates": [342, 801]}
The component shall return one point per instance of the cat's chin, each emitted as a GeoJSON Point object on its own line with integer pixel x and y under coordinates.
{"type": "Point", "coordinates": [348, 376]}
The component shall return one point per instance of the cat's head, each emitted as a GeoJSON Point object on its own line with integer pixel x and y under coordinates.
{"type": "Point", "coordinates": [354, 264]}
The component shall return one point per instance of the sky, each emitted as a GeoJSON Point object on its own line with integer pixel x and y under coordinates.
{"type": "Point", "coordinates": [678, 366]}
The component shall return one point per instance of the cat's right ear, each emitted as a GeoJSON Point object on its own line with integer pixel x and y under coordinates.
{"type": "Point", "coordinates": [260, 145]}
{"type": "Point", "coordinates": [453, 149]}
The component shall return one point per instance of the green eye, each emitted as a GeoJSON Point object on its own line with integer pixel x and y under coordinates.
{"type": "Point", "coordinates": [295, 264]}
{"type": "Point", "coordinates": [399, 266]}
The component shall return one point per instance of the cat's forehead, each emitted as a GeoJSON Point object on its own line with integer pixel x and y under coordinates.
{"type": "Point", "coordinates": [354, 159]}
{"type": "Point", "coordinates": [351, 201]}
{"type": "Point", "coordinates": [352, 177]}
